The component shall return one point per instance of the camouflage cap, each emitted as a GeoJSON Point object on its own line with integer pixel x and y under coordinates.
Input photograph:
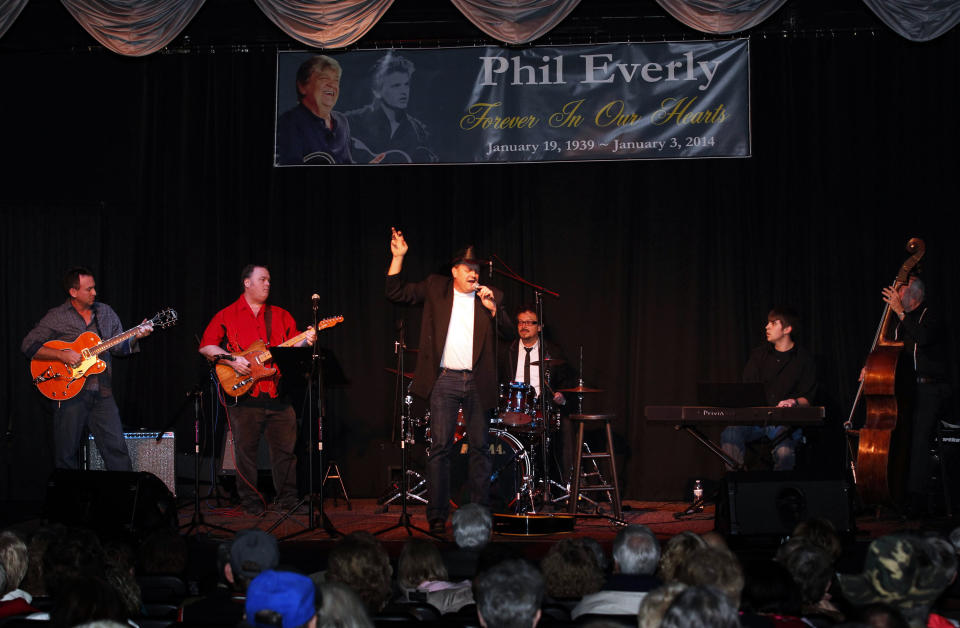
{"type": "Point", "coordinates": [899, 570]}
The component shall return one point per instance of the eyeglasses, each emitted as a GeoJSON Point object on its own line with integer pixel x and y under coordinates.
{"type": "Point", "coordinates": [526, 323]}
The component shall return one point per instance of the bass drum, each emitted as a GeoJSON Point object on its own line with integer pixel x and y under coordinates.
{"type": "Point", "coordinates": [510, 471]}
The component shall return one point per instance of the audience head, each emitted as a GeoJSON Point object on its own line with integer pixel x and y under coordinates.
{"type": "Point", "coordinates": [40, 540]}
{"type": "Point", "coordinates": [13, 560]}
{"type": "Point", "coordinates": [821, 532]}
{"type": "Point", "coordinates": [251, 553]}
{"type": "Point", "coordinates": [904, 571]}
{"type": "Point", "coordinates": [472, 525]}
{"type": "Point", "coordinates": [769, 588]}
{"type": "Point", "coordinates": [594, 546]}
{"type": "Point", "coordinates": [509, 595]}
{"type": "Point", "coordinates": [419, 562]}
{"type": "Point", "coordinates": [713, 567]}
{"type": "Point", "coordinates": [76, 555]}
{"type": "Point", "coordinates": [86, 598]}
{"type": "Point", "coordinates": [636, 551]}
{"type": "Point", "coordinates": [570, 570]}
{"type": "Point", "coordinates": [809, 565]}
{"type": "Point", "coordinates": [701, 607]}
{"type": "Point", "coordinates": [655, 604]}
{"type": "Point", "coordinates": [163, 552]}
{"type": "Point", "coordinates": [281, 598]}
{"type": "Point", "coordinates": [341, 608]}
{"type": "Point", "coordinates": [359, 561]}
{"type": "Point", "coordinates": [675, 552]}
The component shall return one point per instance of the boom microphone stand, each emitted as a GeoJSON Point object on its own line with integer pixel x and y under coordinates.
{"type": "Point", "coordinates": [406, 436]}
{"type": "Point", "coordinates": [316, 371]}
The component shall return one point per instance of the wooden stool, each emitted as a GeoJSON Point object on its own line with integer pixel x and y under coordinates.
{"type": "Point", "coordinates": [595, 420]}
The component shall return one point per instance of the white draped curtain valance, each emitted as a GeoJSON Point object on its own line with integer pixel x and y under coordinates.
{"type": "Point", "coordinates": [141, 27]}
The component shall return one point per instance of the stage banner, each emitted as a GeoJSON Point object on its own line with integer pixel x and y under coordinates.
{"type": "Point", "coordinates": [664, 100]}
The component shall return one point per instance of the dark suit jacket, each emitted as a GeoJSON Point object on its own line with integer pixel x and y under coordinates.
{"type": "Point", "coordinates": [560, 376]}
{"type": "Point", "coordinates": [436, 294]}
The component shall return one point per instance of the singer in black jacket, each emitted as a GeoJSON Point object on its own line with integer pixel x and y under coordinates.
{"type": "Point", "coordinates": [456, 366]}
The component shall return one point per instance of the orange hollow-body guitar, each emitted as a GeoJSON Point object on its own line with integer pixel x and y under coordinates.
{"type": "Point", "coordinates": [257, 354]}
{"type": "Point", "coordinates": [57, 381]}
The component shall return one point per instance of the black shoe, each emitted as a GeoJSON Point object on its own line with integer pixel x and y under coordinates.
{"type": "Point", "coordinates": [438, 527]}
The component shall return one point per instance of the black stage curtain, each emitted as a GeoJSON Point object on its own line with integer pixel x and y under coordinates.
{"type": "Point", "coordinates": [156, 172]}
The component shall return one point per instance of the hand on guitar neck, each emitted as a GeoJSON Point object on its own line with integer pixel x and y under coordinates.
{"type": "Point", "coordinates": [72, 359]}
{"type": "Point", "coordinates": [241, 365]}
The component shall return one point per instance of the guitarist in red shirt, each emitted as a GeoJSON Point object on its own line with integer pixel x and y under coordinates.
{"type": "Point", "coordinates": [234, 328]}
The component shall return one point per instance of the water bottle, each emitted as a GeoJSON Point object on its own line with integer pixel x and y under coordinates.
{"type": "Point", "coordinates": [698, 494]}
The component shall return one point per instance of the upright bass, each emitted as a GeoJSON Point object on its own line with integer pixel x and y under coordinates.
{"type": "Point", "coordinates": [884, 440]}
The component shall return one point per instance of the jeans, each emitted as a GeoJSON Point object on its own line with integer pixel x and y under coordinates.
{"type": "Point", "coordinates": [451, 391]}
{"type": "Point", "coordinates": [280, 429]}
{"type": "Point", "coordinates": [733, 441]}
{"type": "Point", "coordinates": [89, 411]}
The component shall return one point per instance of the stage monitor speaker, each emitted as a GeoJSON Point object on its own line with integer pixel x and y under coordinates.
{"type": "Point", "coordinates": [154, 452]}
{"type": "Point", "coordinates": [772, 503]}
{"type": "Point", "coordinates": [128, 503]}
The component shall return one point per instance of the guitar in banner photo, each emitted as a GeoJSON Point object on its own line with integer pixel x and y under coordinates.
{"type": "Point", "coordinates": [57, 381]}
{"type": "Point", "coordinates": [257, 354]}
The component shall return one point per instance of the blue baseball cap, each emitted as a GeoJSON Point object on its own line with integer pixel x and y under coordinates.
{"type": "Point", "coordinates": [288, 594]}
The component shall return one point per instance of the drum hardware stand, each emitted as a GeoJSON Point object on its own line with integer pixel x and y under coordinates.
{"type": "Point", "coordinates": [402, 412]}
{"type": "Point", "coordinates": [310, 499]}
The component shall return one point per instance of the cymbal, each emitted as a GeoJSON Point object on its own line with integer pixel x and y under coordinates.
{"type": "Point", "coordinates": [549, 362]}
{"type": "Point", "coordinates": [394, 371]}
{"type": "Point", "coordinates": [580, 389]}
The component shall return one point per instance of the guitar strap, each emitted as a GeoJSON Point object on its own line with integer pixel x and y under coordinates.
{"type": "Point", "coordinates": [268, 319]}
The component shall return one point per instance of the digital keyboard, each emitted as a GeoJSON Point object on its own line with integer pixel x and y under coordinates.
{"type": "Point", "coordinates": [757, 415]}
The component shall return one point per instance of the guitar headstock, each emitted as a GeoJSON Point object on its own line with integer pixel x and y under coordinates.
{"type": "Point", "coordinates": [329, 322]}
{"type": "Point", "coordinates": [166, 317]}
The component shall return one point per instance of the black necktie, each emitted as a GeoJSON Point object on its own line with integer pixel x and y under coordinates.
{"type": "Point", "coordinates": [526, 365]}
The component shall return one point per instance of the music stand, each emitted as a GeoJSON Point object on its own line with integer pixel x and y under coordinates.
{"type": "Point", "coordinates": [293, 360]}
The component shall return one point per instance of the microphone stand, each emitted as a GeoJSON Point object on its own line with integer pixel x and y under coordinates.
{"type": "Point", "coordinates": [406, 436]}
{"type": "Point", "coordinates": [310, 499]}
{"type": "Point", "coordinates": [198, 521]}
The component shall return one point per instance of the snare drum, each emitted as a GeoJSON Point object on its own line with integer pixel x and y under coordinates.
{"type": "Point", "coordinates": [516, 404]}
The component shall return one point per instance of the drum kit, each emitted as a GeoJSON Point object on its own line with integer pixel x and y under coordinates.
{"type": "Point", "coordinates": [519, 443]}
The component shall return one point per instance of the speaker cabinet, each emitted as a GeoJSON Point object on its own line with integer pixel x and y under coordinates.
{"type": "Point", "coordinates": [128, 503]}
{"type": "Point", "coordinates": [153, 452]}
{"type": "Point", "coordinates": [772, 503]}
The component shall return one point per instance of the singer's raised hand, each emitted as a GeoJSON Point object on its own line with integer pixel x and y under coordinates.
{"type": "Point", "coordinates": [398, 245]}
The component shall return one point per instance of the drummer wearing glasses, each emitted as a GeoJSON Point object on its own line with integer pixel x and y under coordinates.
{"type": "Point", "coordinates": [520, 368]}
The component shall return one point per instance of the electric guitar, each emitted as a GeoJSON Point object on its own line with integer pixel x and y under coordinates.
{"type": "Point", "coordinates": [57, 381]}
{"type": "Point", "coordinates": [257, 354]}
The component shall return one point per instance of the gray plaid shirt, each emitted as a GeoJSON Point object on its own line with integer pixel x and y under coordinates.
{"type": "Point", "coordinates": [63, 322]}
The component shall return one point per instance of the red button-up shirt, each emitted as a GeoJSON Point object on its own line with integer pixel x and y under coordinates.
{"type": "Point", "coordinates": [238, 327]}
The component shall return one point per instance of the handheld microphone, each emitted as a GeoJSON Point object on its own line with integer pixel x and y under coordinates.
{"type": "Point", "coordinates": [316, 300]}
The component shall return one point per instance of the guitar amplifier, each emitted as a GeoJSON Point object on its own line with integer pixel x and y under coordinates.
{"type": "Point", "coordinates": [147, 453]}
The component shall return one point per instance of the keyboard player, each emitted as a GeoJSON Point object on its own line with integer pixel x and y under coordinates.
{"type": "Point", "coordinates": [789, 377]}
